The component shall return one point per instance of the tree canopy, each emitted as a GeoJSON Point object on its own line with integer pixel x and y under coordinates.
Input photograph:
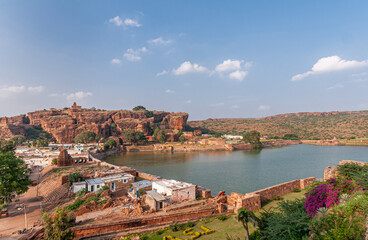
{"type": "Point", "coordinates": [14, 176]}
{"type": "Point", "coordinates": [6, 146]}
{"type": "Point", "coordinates": [86, 137]}
{"type": "Point", "coordinates": [109, 144]}
{"type": "Point", "coordinates": [133, 136]}
{"type": "Point", "coordinates": [58, 227]}
{"type": "Point", "coordinates": [253, 137]}
{"type": "Point", "coordinates": [139, 108]}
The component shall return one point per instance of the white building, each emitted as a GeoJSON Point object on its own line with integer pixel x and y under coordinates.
{"type": "Point", "coordinates": [177, 191]}
{"type": "Point", "coordinates": [77, 186]}
{"type": "Point", "coordinates": [232, 136]}
{"type": "Point", "coordinates": [93, 185]}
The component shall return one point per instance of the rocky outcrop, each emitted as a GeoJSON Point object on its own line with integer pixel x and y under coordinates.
{"type": "Point", "coordinates": [65, 124]}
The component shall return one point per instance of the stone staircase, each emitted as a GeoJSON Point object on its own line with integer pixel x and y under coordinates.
{"type": "Point", "coordinates": [52, 191]}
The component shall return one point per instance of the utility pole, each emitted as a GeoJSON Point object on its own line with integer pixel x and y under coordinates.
{"type": "Point", "coordinates": [25, 215]}
{"type": "Point", "coordinates": [41, 211]}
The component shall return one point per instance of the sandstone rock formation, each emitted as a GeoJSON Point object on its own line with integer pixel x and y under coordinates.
{"type": "Point", "coordinates": [65, 124]}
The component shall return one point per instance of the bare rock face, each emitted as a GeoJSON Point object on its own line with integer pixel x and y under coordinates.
{"type": "Point", "coordinates": [64, 159]}
{"type": "Point", "coordinates": [65, 124]}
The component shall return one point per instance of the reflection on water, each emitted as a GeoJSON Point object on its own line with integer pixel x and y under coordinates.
{"type": "Point", "coordinates": [240, 171]}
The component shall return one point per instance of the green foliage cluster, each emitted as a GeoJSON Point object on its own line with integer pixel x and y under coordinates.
{"type": "Point", "coordinates": [139, 108]}
{"type": "Point", "coordinates": [133, 136]}
{"type": "Point", "coordinates": [253, 137]}
{"type": "Point", "coordinates": [58, 227]}
{"type": "Point", "coordinates": [355, 172]}
{"type": "Point", "coordinates": [54, 161]}
{"type": "Point", "coordinates": [18, 139]}
{"type": "Point", "coordinates": [157, 130]}
{"type": "Point", "coordinates": [37, 132]}
{"type": "Point", "coordinates": [75, 177]}
{"type": "Point", "coordinates": [14, 175]}
{"type": "Point", "coordinates": [182, 139]}
{"type": "Point", "coordinates": [290, 137]}
{"type": "Point", "coordinates": [148, 114]}
{"type": "Point", "coordinates": [86, 137]}
{"type": "Point", "coordinates": [181, 227]}
{"type": "Point", "coordinates": [288, 220]}
{"type": "Point", "coordinates": [40, 142]}
{"type": "Point", "coordinates": [6, 146]}
{"type": "Point", "coordinates": [109, 144]}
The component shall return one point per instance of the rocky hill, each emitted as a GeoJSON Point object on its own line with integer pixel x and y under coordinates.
{"type": "Point", "coordinates": [64, 124]}
{"type": "Point", "coordinates": [304, 124]}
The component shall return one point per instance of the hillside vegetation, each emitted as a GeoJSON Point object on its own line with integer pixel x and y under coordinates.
{"type": "Point", "coordinates": [323, 125]}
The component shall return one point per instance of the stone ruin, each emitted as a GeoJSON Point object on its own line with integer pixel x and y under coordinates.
{"type": "Point", "coordinates": [64, 159]}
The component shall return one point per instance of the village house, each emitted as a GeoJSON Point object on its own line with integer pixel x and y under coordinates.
{"type": "Point", "coordinates": [78, 186]}
{"type": "Point", "coordinates": [118, 182]}
{"type": "Point", "coordinates": [155, 200]}
{"type": "Point", "coordinates": [139, 187]}
{"type": "Point", "coordinates": [93, 185]}
{"type": "Point", "coordinates": [176, 190]}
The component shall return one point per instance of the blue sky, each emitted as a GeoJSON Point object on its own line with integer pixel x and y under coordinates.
{"type": "Point", "coordinates": [211, 59]}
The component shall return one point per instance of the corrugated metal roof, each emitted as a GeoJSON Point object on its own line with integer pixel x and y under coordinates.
{"type": "Point", "coordinates": [94, 181]}
{"type": "Point", "coordinates": [156, 195]}
{"type": "Point", "coordinates": [142, 184]}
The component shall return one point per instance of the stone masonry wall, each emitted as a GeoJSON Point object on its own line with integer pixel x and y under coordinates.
{"type": "Point", "coordinates": [125, 225]}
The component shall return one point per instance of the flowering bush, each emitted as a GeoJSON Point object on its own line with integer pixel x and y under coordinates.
{"type": "Point", "coordinates": [327, 194]}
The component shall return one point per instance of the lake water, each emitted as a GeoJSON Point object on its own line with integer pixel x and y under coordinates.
{"type": "Point", "coordinates": [241, 171]}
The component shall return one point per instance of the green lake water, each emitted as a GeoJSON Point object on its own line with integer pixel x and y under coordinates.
{"type": "Point", "coordinates": [241, 171]}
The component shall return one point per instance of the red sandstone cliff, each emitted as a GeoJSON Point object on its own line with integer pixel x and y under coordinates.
{"type": "Point", "coordinates": [65, 124]}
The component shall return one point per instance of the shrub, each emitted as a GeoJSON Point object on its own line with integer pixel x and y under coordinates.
{"type": "Point", "coordinates": [276, 198]}
{"type": "Point", "coordinates": [326, 194]}
{"type": "Point", "coordinates": [58, 227]}
{"type": "Point", "coordinates": [75, 177]}
{"type": "Point", "coordinates": [296, 190]}
{"type": "Point", "coordinates": [54, 161]}
{"type": "Point", "coordinates": [75, 205]}
{"type": "Point", "coordinates": [222, 217]}
{"type": "Point", "coordinates": [109, 144]}
{"type": "Point", "coordinates": [288, 220]}
{"type": "Point", "coordinates": [191, 224]}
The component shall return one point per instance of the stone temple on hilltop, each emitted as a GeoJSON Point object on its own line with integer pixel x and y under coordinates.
{"type": "Point", "coordinates": [64, 159]}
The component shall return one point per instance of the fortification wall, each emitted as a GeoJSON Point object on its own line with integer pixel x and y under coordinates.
{"type": "Point", "coordinates": [127, 225]}
{"type": "Point", "coordinates": [252, 201]}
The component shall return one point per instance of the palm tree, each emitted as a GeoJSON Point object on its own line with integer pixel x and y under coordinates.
{"type": "Point", "coordinates": [245, 217]}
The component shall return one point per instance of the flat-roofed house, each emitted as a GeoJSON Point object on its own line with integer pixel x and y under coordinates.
{"type": "Point", "coordinates": [93, 185]}
{"type": "Point", "coordinates": [118, 182]}
{"type": "Point", "coordinates": [176, 190]}
{"type": "Point", "coordinates": [155, 200]}
{"type": "Point", "coordinates": [137, 187]}
{"type": "Point", "coordinates": [77, 186]}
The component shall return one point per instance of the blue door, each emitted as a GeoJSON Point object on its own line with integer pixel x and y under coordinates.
{"type": "Point", "coordinates": [92, 188]}
{"type": "Point", "coordinates": [113, 186]}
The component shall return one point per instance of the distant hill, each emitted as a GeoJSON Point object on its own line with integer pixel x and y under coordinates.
{"type": "Point", "coordinates": [306, 125]}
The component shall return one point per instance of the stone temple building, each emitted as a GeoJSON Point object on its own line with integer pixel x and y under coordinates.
{"type": "Point", "coordinates": [64, 159]}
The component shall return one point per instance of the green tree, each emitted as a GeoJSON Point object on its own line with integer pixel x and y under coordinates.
{"type": "Point", "coordinates": [18, 139]}
{"type": "Point", "coordinates": [133, 136]}
{"type": "Point", "coordinates": [148, 114]}
{"type": "Point", "coordinates": [75, 177]}
{"type": "Point", "coordinates": [253, 137]}
{"type": "Point", "coordinates": [245, 217]}
{"type": "Point", "coordinates": [291, 137]}
{"type": "Point", "coordinates": [6, 146]}
{"type": "Point", "coordinates": [86, 137]}
{"type": "Point", "coordinates": [109, 144]}
{"type": "Point", "coordinates": [139, 108]}
{"type": "Point", "coordinates": [58, 227]}
{"type": "Point", "coordinates": [162, 136]}
{"type": "Point", "coordinates": [14, 176]}
{"type": "Point", "coordinates": [182, 139]}
{"type": "Point", "coordinates": [157, 130]}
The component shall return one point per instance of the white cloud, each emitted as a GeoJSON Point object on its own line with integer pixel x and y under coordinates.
{"type": "Point", "coordinates": [330, 64]}
{"type": "Point", "coordinates": [37, 89]}
{"type": "Point", "coordinates": [229, 65]}
{"type": "Point", "coordinates": [134, 55]}
{"type": "Point", "coordinates": [115, 61]}
{"type": "Point", "coordinates": [164, 72]}
{"type": "Point", "coordinates": [234, 106]}
{"type": "Point", "coordinates": [359, 74]}
{"type": "Point", "coordinates": [217, 104]}
{"type": "Point", "coordinates": [57, 95]}
{"type": "Point", "coordinates": [13, 90]}
{"type": "Point", "coordinates": [132, 23]}
{"type": "Point", "coordinates": [188, 67]}
{"type": "Point", "coordinates": [189, 101]}
{"type": "Point", "coordinates": [127, 22]}
{"type": "Point", "coordinates": [238, 75]}
{"type": "Point", "coordinates": [169, 91]}
{"type": "Point", "coordinates": [338, 85]}
{"type": "Point", "coordinates": [78, 96]}
{"type": "Point", "coordinates": [264, 108]}
{"type": "Point", "coordinates": [159, 41]}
